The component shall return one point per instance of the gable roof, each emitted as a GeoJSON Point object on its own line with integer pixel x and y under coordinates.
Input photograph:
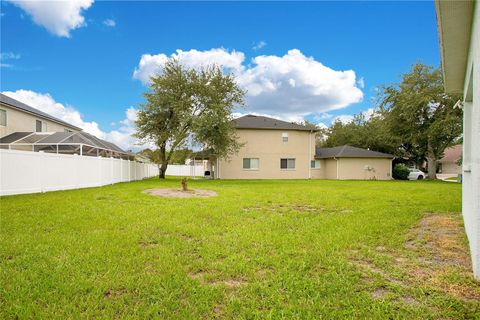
{"type": "Point", "coordinates": [349, 152]}
{"type": "Point", "coordinates": [259, 122]}
{"type": "Point", "coordinates": [26, 108]}
{"type": "Point", "coordinates": [452, 154]}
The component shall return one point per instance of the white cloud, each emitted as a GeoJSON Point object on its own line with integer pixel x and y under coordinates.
{"type": "Point", "coordinates": [361, 83]}
{"type": "Point", "coordinates": [58, 17]}
{"type": "Point", "coordinates": [44, 102]}
{"type": "Point", "coordinates": [259, 45]}
{"type": "Point", "coordinates": [344, 118]}
{"type": "Point", "coordinates": [110, 23]}
{"type": "Point", "coordinates": [152, 64]}
{"type": "Point", "coordinates": [322, 125]}
{"type": "Point", "coordinates": [370, 112]}
{"type": "Point", "coordinates": [8, 56]}
{"type": "Point", "coordinates": [288, 87]}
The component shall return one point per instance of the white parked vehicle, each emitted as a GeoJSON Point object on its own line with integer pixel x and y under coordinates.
{"type": "Point", "coordinates": [416, 174]}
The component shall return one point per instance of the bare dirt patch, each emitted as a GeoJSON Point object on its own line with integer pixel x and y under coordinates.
{"type": "Point", "coordinates": [230, 283]}
{"type": "Point", "coordinates": [177, 193]}
{"type": "Point", "coordinates": [435, 256]}
{"type": "Point", "coordinates": [114, 293]}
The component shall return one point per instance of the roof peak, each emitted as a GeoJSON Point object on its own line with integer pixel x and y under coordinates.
{"type": "Point", "coordinates": [251, 121]}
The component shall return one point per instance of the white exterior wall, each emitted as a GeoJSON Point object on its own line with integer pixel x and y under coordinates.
{"type": "Point", "coordinates": [30, 172]}
{"type": "Point", "coordinates": [471, 150]}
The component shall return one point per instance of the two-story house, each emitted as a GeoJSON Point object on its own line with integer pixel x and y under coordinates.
{"type": "Point", "coordinates": [16, 116]}
{"type": "Point", "coordinates": [275, 149]}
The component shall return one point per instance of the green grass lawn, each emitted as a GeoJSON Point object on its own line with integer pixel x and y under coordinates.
{"type": "Point", "coordinates": [260, 249]}
{"type": "Point", "coordinates": [452, 178]}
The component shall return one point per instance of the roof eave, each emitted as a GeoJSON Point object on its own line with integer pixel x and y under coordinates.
{"type": "Point", "coordinates": [284, 129]}
{"type": "Point", "coordinates": [58, 121]}
{"type": "Point", "coordinates": [454, 21]}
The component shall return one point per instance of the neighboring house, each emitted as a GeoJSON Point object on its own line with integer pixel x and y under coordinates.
{"type": "Point", "coordinates": [348, 162]}
{"type": "Point", "coordinates": [16, 116]}
{"type": "Point", "coordinates": [459, 34]}
{"type": "Point", "coordinates": [449, 164]}
{"type": "Point", "coordinates": [25, 128]}
{"type": "Point", "coordinates": [275, 149]}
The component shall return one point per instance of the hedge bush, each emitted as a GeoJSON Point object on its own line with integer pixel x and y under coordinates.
{"type": "Point", "coordinates": [400, 172]}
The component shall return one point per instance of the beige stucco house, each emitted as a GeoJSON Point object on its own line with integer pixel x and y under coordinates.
{"type": "Point", "coordinates": [25, 128]}
{"type": "Point", "coordinates": [449, 163]}
{"type": "Point", "coordinates": [275, 149]}
{"type": "Point", "coordinates": [459, 34]}
{"type": "Point", "coordinates": [16, 116]}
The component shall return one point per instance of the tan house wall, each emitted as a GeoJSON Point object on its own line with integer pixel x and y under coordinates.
{"type": "Point", "coordinates": [269, 148]}
{"type": "Point", "coordinates": [19, 121]}
{"type": "Point", "coordinates": [355, 168]}
{"type": "Point", "coordinates": [320, 172]}
{"type": "Point", "coordinates": [451, 168]}
{"type": "Point", "coordinates": [330, 169]}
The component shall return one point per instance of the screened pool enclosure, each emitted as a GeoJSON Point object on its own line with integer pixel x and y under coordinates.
{"type": "Point", "coordinates": [80, 143]}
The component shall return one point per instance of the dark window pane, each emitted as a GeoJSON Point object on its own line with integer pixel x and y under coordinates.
{"type": "Point", "coordinates": [246, 163]}
{"type": "Point", "coordinates": [3, 117]}
{"type": "Point", "coordinates": [283, 163]}
{"type": "Point", "coordinates": [38, 126]}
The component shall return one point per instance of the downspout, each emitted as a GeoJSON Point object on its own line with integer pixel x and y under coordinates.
{"type": "Point", "coordinates": [337, 165]}
{"type": "Point", "coordinates": [310, 155]}
{"type": "Point", "coordinates": [391, 170]}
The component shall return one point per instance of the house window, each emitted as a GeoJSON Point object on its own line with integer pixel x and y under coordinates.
{"type": "Point", "coordinates": [3, 117]}
{"type": "Point", "coordinates": [68, 130]}
{"type": "Point", "coordinates": [315, 164]}
{"type": "Point", "coordinates": [285, 137]}
{"type": "Point", "coordinates": [40, 126]}
{"type": "Point", "coordinates": [250, 163]}
{"type": "Point", "coordinates": [287, 164]}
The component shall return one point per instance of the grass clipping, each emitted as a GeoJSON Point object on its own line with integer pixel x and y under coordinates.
{"type": "Point", "coordinates": [178, 193]}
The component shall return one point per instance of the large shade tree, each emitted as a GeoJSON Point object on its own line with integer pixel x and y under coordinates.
{"type": "Point", "coordinates": [420, 116]}
{"type": "Point", "coordinates": [189, 106]}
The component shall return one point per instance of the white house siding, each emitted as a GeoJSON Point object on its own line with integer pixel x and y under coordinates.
{"type": "Point", "coordinates": [471, 150]}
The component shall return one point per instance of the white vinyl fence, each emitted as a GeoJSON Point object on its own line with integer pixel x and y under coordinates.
{"type": "Point", "coordinates": [29, 172]}
{"type": "Point", "coordinates": [185, 170]}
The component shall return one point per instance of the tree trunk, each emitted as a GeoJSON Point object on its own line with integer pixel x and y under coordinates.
{"type": "Point", "coordinates": [432, 163]}
{"type": "Point", "coordinates": [432, 168]}
{"type": "Point", "coordinates": [163, 161]}
{"type": "Point", "coordinates": [162, 170]}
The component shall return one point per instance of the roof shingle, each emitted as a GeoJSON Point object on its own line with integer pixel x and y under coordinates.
{"type": "Point", "coordinates": [347, 151]}
{"type": "Point", "coordinates": [260, 122]}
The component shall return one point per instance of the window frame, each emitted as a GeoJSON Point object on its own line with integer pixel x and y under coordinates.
{"type": "Point", "coordinates": [43, 126]}
{"type": "Point", "coordinates": [250, 164]}
{"type": "Point", "coordinates": [284, 136]}
{"type": "Point", "coordinates": [288, 160]}
{"type": "Point", "coordinates": [314, 162]}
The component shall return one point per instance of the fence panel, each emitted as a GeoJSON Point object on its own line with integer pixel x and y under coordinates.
{"type": "Point", "coordinates": [185, 170]}
{"type": "Point", "coordinates": [30, 172]}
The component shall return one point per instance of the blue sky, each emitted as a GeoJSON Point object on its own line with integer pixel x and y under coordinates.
{"type": "Point", "coordinates": [291, 57]}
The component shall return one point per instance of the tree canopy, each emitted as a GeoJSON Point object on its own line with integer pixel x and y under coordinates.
{"type": "Point", "coordinates": [414, 119]}
{"type": "Point", "coordinates": [189, 106]}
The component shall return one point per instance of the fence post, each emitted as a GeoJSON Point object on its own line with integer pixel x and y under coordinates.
{"type": "Point", "coordinates": [111, 170]}
{"type": "Point", "coordinates": [40, 175]}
